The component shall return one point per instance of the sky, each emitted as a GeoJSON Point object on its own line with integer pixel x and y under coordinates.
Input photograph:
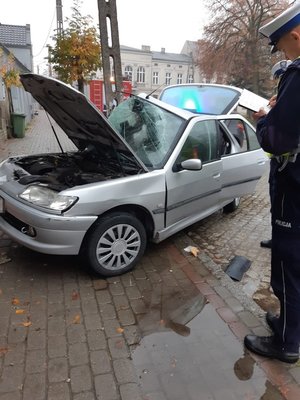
{"type": "Point", "coordinates": [155, 23]}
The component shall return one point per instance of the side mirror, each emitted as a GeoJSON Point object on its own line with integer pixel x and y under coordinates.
{"type": "Point", "coordinates": [193, 164]}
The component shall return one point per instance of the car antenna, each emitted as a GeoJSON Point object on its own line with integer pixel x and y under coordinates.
{"type": "Point", "coordinates": [150, 94]}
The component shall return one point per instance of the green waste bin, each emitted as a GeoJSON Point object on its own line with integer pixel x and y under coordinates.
{"type": "Point", "coordinates": [18, 122]}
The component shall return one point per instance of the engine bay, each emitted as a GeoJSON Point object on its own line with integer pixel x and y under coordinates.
{"type": "Point", "coordinates": [65, 170]}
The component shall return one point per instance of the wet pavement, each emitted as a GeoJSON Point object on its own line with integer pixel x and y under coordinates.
{"type": "Point", "coordinates": [224, 236]}
{"type": "Point", "coordinates": [171, 329]}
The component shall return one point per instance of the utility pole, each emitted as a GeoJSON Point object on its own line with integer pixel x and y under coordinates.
{"type": "Point", "coordinates": [59, 30]}
{"type": "Point", "coordinates": [59, 18]}
{"type": "Point", "coordinates": [110, 49]}
{"type": "Point", "coordinates": [49, 62]}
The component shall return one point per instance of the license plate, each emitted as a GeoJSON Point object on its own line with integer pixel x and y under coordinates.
{"type": "Point", "coordinates": [1, 205]}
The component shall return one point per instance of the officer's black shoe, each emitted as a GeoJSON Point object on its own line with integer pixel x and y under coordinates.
{"type": "Point", "coordinates": [266, 347]}
{"type": "Point", "coordinates": [266, 243]}
{"type": "Point", "coordinates": [271, 319]}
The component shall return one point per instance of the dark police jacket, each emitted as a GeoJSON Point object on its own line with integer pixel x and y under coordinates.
{"type": "Point", "coordinates": [279, 133]}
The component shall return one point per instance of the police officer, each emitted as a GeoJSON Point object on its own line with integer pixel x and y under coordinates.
{"type": "Point", "coordinates": [277, 71]}
{"type": "Point", "coordinates": [279, 134]}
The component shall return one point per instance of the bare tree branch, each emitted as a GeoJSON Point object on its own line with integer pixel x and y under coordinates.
{"type": "Point", "coordinates": [232, 50]}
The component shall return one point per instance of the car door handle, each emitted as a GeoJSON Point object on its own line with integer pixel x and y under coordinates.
{"type": "Point", "coordinates": [261, 162]}
{"type": "Point", "coordinates": [217, 175]}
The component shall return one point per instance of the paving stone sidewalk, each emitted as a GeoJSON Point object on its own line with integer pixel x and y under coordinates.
{"type": "Point", "coordinates": [171, 329]}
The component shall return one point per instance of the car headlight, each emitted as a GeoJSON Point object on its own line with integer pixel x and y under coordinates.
{"type": "Point", "coordinates": [44, 197]}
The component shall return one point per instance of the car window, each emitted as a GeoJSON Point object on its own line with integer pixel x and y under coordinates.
{"type": "Point", "coordinates": [238, 130]}
{"type": "Point", "coordinates": [252, 139]}
{"type": "Point", "coordinates": [148, 129]}
{"type": "Point", "coordinates": [201, 143]}
{"type": "Point", "coordinates": [201, 99]}
{"type": "Point", "coordinates": [243, 133]}
{"type": "Point", "coordinates": [225, 145]}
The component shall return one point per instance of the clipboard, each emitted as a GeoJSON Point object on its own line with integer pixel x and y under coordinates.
{"type": "Point", "coordinates": [253, 102]}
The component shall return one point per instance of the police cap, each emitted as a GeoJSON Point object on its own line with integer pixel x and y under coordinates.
{"type": "Point", "coordinates": [280, 25]}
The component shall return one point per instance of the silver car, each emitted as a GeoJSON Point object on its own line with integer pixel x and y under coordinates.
{"type": "Point", "coordinates": [143, 174]}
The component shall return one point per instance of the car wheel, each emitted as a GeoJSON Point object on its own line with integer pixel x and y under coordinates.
{"type": "Point", "coordinates": [229, 208]}
{"type": "Point", "coordinates": [115, 244]}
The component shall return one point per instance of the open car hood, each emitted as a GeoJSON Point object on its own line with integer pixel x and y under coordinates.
{"type": "Point", "coordinates": [77, 116]}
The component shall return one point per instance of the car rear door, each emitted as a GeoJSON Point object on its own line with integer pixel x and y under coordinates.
{"type": "Point", "coordinates": [243, 160]}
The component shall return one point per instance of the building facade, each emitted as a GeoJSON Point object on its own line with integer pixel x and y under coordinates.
{"type": "Point", "coordinates": [15, 40]}
{"type": "Point", "coordinates": [150, 71]}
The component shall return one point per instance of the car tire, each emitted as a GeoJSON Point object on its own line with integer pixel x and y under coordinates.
{"type": "Point", "coordinates": [115, 244]}
{"type": "Point", "coordinates": [231, 207]}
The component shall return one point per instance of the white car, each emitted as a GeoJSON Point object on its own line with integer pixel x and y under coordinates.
{"type": "Point", "coordinates": [203, 98]}
{"type": "Point", "coordinates": [147, 172]}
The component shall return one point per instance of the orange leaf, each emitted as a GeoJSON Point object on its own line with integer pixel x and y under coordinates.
{"type": "Point", "coordinates": [28, 323]}
{"type": "Point", "coordinates": [76, 319]}
{"type": "Point", "coordinates": [20, 311]}
{"type": "Point", "coordinates": [3, 350]}
{"type": "Point", "coordinates": [15, 301]}
{"type": "Point", "coordinates": [194, 251]}
{"type": "Point", "coordinates": [120, 330]}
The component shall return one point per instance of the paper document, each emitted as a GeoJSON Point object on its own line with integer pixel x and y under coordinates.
{"type": "Point", "coordinates": [253, 102]}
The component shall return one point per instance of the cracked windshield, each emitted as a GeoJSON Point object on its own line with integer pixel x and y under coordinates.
{"type": "Point", "coordinates": [149, 130]}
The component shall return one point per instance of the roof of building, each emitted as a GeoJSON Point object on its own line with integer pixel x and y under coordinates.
{"type": "Point", "coordinates": [134, 49]}
{"type": "Point", "coordinates": [156, 55]}
{"type": "Point", "coordinates": [14, 35]}
{"type": "Point", "coordinates": [159, 55]}
{"type": "Point", "coordinates": [18, 63]}
{"type": "Point", "coordinates": [190, 46]}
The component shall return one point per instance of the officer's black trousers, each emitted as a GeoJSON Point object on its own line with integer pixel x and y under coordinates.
{"type": "Point", "coordinates": [285, 282]}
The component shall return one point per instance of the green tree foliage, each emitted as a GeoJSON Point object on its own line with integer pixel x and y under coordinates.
{"type": "Point", "coordinates": [77, 50]}
{"type": "Point", "coordinates": [232, 50]}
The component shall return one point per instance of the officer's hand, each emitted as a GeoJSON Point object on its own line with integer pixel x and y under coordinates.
{"type": "Point", "coordinates": [259, 114]}
{"type": "Point", "coordinates": [272, 101]}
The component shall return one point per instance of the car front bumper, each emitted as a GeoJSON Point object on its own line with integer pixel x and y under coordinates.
{"type": "Point", "coordinates": [53, 234]}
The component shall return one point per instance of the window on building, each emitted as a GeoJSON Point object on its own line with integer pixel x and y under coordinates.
{"type": "Point", "coordinates": [140, 76]}
{"type": "Point", "coordinates": [179, 79]}
{"type": "Point", "coordinates": [190, 79]}
{"type": "Point", "coordinates": [128, 72]}
{"type": "Point", "coordinates": [168, 78]}
{"type": "Point", "coordinates": [155, 78]}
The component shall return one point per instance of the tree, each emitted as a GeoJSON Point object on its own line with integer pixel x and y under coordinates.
{"type": "Point", "coordinates": [232, 50]}
{"type": "Point", "coordinates": [77, 50]}
{"type": "Point", "coordinates": [10, 76]}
